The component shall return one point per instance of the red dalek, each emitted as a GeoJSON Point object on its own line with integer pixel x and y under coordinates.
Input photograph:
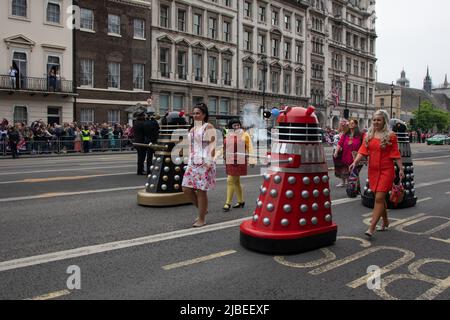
{"type": "Point", "coordinates": [293, 211]}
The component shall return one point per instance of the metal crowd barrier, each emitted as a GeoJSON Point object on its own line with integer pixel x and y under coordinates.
{"type": "Point", "coordinates": [66, 146]}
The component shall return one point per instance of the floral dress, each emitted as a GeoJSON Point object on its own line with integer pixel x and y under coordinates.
{"type": "Point", "coordinates": [200, 173]}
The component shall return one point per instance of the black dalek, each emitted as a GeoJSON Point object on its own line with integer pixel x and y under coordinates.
{"type": "Point", "coordinates": [163, 187]}
{"type": "Point", "coordinates": [410, 198]}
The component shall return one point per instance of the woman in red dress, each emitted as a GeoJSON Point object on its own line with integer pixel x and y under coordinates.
{"type": "Point", "coordinates": [381, 146]}
{"type": "Point", "coordinates": [237, 146]}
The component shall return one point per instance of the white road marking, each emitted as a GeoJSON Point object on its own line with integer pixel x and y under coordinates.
{"type": "Point", "coordinates": [51, 295]}
{"type": "Point", "coordinates": [65, 170]}
{"type": "Point", "coordinates": [67, 178]}
{"type": "Point", "coordinates": [198, 260]}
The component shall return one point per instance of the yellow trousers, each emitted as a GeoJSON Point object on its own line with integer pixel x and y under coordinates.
{"type": "Point", "coordinates": [234, 185]}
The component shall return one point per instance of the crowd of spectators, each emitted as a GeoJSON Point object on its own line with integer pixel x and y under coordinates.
{"type": "Point", "coordinates": [40, 137]}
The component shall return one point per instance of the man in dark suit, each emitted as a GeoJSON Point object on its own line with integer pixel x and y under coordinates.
{"type": "Point", "coordinates": [145, 131]}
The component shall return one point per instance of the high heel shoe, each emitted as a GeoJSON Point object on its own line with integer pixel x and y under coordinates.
{"type": "Point", "coordinates": [369, 233]}
{"type": "Point", "coordinates": [239, 205]}
{"type": "Point", "coordinates": [226, 207]}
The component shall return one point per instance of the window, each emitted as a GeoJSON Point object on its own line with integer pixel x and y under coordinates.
{"type": "Point", "coordinates": [164, 66]}
{"type": "Point", "coordinates": [382, 102]}
{"type": "Point", "coordinates": [87, 72]}
{"type": "Point", "coordinates": [181, 65]}
{"type": "Point", "coordinates": [363, 44]}
{"type": "Point", "coordinates": [348, 39]}
{"type": "Point", "coordinates": [54, 115]}
{"type": "Point", "coordinates": [355, 41]}
{"type": "Point", "coordinates": [261, 78]}
{"type": "Point", "coordinates": [198, 66]}
{"type": "Point", "coordinates": [226, 71]}
{"type": "Point", "coordinates": [138, 76]}
{"type": "Point", "coordinates": [114, 75]}
{"type": "Point", "coordinates": [355, 93]}
{"type": "Point", "coordinates": [348, 65]}
{"type": "Point", "coordinates": [87, 19]}
{"type": "Point", "coordinates": [212, 28]}
{"type": "Point", "coordinates": [261, 43]}
{"type": "Point", "coordinates": [287, 22]}
{"type": "Point", "coordinates": [275, 47]}
{"type": "Point", "coordinates": [227, 3]}
{"type": "Point", "coordinates": [248, 75]}
{"type": "Point", "coordinates": [371, 71]}
{"type": "Point", "coordinates": [224, 106]}
{"type": "Point", "coordinates": [113, 116]}
{"type": "Point", "coordinates": [227, 31]}
{"type": "Point", "coordinates": [139, 28]}
{"type": "Point", "coordinates": [356, 67]}
{"type": "Point", "coordinates": [298, 53]}
{"type": "Point", "coordinates": [212, 105]}
{"type": "Point", "coordinates": [275, 76]}
{"type": "Point", "coordinates": [287, 50]}
{"type": "Point", "coordinates": [370, 95]}
{"type": "Point", "coordinates": [299, 85]}
{"type": "Point", "coordinates": [299, 26]}
{"type": "Point", "coordinates": [362, 93]}
{"type": "Point", "coordinates": [247, 9]}
{"type": "Point", "coordinates": [181, 25]}
{"type": "Point", "coordinates": [287, 83]}
{"type": "Point", "coordinates": [87, 115]}
{"type": "Point", "coordinates": [247, 40]}
{"type": "Point", "coordinates": [197, 24]}
{"type": "Point", "coordinates": [53, 12]}
{"type": "Point", "coordinates": [20, 114]}
{"type": "Point", "coordinates": [164, 17]}
{"type": "Point", "coordinates": [19, 8]}
{"type": "Point", "coordinates": [178, 102]}
{"type": "Point", "coordinates": [262, 14]}
{"type": "Point", "coordinates": [212, 68]}
{"type": "Point", "coordinates": [53, 63]}
{"type": "Point", "coordinates": [372, 46]}
{"type": "Point", "coordinates": [363, 69]}
{"type": "Point", "coordinates": [113, 24]}
{"type": "Point", "coordinates": [164, 99]}
{"type": "Point", "coordinates": [275, 18]}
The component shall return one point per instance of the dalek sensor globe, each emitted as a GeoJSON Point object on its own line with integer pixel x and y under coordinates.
{"type": "Point", "coordinates": [163, 187]}
{"type": "Point", "coordinates": [410, 198]}
{"type": "Point", "coordinates": [293, 211]}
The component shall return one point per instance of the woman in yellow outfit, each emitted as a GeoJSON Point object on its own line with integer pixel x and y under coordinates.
{"type": "Point", "coordinates": [237, 146]}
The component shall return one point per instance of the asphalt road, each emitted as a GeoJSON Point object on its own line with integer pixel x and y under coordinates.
{"type": "Point", "coordinates": [82, 211]}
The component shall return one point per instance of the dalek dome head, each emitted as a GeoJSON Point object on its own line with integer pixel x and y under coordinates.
{"type": "Point", "coordinates": [298, 124]}
{"type": "Point", "coordinates": [174, 118]}
{"type": "Point", "coordinates": [397, 125]}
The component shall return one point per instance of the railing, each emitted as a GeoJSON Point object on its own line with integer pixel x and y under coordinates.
{"type": "Point", "coordinates": [65, 146]}
{"type": "Point", "coordinates": [35, 84]}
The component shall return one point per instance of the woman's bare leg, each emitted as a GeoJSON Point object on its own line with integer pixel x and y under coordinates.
{"type": "Point", "coordinates": [202, 197]}
{"type": "Point", "coordinates": [190, 193]}
{"type": "Point", "coordinates": [378, 210]}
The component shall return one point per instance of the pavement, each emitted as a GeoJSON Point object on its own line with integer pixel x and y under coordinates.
{"type": "Point", "coordinates": [74, 222]}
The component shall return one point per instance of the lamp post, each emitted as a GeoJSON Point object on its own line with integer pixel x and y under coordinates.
{"type": "Point", "coordinates": [346, 111]}
{"type": "Point", "coordinates": [392, 96]}
{"type": "Point", "coordinates": [264, 70]}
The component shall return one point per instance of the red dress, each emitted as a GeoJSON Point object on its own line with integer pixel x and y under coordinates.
{"type": "Point", "coordinates": [381, 163]}
{"type": "Point", "coordinates": [236, 146]}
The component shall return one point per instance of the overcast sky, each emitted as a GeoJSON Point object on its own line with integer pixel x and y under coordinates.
{"type": "Point", "coordinates": [413, 34]}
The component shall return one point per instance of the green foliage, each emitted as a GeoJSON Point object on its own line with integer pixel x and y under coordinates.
{"type": "Point", "coordinates": [428, 118]}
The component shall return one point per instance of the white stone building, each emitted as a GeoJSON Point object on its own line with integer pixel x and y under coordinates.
{"type": "Point", "coordinates": [36, 41]}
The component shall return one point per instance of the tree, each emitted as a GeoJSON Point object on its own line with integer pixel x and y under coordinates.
{"type": "Point", "coordinates": [428, 117]}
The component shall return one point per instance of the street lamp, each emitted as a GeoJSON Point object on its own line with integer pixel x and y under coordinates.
{"type": "Point", "coordinates": [392, 96]}
{"type": "Point", "coordinates": [264, 70]}
{"type": "Point", "coordinates": [346, 111]}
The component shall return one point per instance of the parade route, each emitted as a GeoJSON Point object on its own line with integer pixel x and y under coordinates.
{"type": "Point", "coordinates": [52, 219]}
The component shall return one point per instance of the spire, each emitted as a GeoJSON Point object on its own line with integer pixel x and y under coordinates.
{"type": "Point", "coordinates": [427, 82]}
{"type": "Point", "coordinates": [445, 82]}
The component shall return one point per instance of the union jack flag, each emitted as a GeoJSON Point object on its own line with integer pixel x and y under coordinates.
{"type": "Point", "coordinates": [335, 95]}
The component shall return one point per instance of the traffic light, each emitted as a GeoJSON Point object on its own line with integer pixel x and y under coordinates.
{"type": "Point", "coordinates": [346, 113]}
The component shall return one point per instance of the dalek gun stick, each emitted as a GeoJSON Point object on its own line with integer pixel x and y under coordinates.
{"type": "Point", "coordinates": [152, 146]}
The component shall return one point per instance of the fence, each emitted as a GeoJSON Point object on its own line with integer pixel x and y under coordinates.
{"type": "Point", "coordinates": [66, 146]}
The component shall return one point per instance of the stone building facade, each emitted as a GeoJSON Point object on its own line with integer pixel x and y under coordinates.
{"type": "Point", "coordinates": [113, 60]}
{"type": "Point", "coordinates": [37, 42]}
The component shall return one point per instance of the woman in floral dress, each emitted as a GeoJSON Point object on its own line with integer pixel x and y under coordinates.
{"type": "Point", "coordinates": [200, 174]}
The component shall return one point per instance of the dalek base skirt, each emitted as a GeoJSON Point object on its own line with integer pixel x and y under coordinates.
{"type": "Point", "coordinates": [273, 243]}
{"type": "Point", "coordinates": [161, 200]}
{"type": "Point", "coordinates": [293, 211]}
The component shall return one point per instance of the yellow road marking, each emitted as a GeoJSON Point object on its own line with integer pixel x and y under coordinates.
{"type": "Point", "coordinates": [198, 260]}
{"type": "Point", "coordinates": [51, 295]}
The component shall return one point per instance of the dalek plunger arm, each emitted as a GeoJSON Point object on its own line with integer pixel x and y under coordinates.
{"type": "Point", "coordinates": [152, 146]}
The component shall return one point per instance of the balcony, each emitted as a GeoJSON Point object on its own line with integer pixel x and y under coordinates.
{"type": "Point", "coordinates": [212, 80]}
{"type": "Point", "coordinates": [227, 82]}
{"type": "Point", "coordinates": [36, 85]}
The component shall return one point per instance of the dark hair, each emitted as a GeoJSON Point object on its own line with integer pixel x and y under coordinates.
{"type": "Point", "coordinates": [204, 109]}
{"type": "Point", "coordinates": [357, 131]}
{"type": "Point", "coordinates": [234, 121]}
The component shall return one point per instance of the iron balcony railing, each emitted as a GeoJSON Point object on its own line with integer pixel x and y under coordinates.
{"type": "Point", "coordinates": [36, 84]}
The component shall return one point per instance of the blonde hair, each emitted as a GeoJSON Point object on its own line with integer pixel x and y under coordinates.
{"type": "Point", "coordinates": [385, 132]}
